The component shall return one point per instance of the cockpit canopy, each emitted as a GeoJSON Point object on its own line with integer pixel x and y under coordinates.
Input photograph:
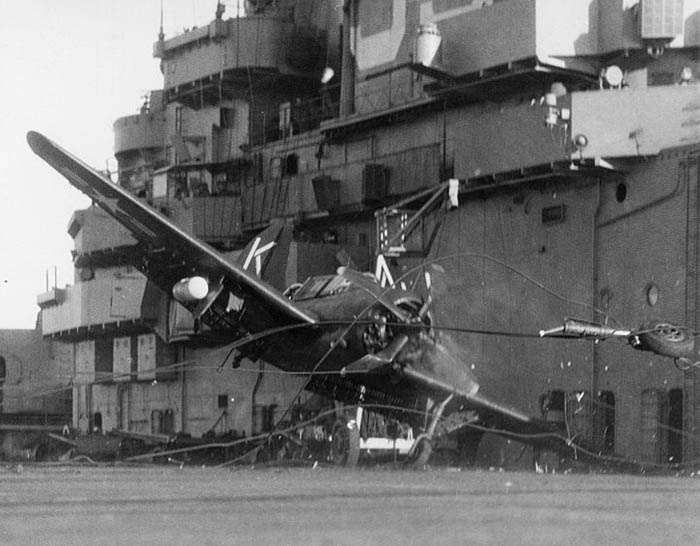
{"type": "Point", "coordinates": [321, 287]}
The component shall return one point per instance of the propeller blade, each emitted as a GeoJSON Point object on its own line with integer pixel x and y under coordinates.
{"type": "Point", "coordinates": [384, 357]}
{"type": "Point", "coordinates": [441, 360]}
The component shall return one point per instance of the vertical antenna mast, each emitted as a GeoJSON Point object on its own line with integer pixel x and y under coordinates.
{"type": "Point", "coordinates": [220, 9]}
{"type": "Point", "coordinates": [161, 35]}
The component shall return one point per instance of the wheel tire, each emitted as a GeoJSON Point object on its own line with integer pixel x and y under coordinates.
{"type": "Point", "coordinates": [421, 453]}
{"type": "Point", "coordinates": [345, 443]}
{"type": "Point", "coordinates": [667, 339]}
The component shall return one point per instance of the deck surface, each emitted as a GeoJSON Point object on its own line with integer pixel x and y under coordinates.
{"type": "Point", "coordinates": [327, 506]}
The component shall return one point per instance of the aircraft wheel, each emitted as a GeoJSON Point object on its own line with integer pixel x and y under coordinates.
{"type": "Point", "coordinates": [685, 364]}
{"type": "Point", "coordinates": [41, 453]}
{"type": "Point", "coordinates": [667, 340]}
{"type": "Point", "coordinates": [420, 453]}
{"type": "Point", "coordinates": [345, 443]}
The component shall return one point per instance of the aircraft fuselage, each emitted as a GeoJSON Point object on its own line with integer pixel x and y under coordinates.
{"type": "Point", "coordinates": [351, 324]}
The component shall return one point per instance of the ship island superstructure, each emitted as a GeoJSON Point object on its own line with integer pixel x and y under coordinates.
{"type": "Point", "coordinates": [566, 132]}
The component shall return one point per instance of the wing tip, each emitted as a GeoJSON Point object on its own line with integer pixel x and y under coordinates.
{"type": "Point", "coordinates": [37, 142]}
{"type": "Point", "coordinates": [32, 137]}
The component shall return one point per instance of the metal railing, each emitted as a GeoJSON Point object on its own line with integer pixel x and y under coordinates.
{"type": "Point", "coordinates": [409, 170]}
{"type": "Point", "coordinates": [304, 115]}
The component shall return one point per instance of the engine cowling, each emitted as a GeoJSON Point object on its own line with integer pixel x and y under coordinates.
{"type": "Point", "coordinates": [191, 289]}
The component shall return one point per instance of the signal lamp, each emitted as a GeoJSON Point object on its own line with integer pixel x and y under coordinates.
{"type": "Point", "coordinates": [580, 141]}
{"type": "Point", "coordinates": [613, 76]}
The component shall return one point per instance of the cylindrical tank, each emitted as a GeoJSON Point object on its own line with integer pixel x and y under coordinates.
{"type": "Point", "coordinates": [428, 43]}
{"type": "Point", "coordinates": [191, 289]}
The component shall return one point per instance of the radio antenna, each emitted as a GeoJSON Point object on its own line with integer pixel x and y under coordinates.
{"type": "Point", "coordinates": [161, 35]}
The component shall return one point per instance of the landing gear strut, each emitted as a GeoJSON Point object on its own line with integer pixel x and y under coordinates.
{"type": "Point", "coordinates": [423, 446]}
{"type": "Point", "coordinates": [345, 443]}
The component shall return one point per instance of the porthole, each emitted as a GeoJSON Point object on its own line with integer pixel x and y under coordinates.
{"type": "Point", "coordinates": [652, 294]}
{"type": "Point", "coordinates": [621, 192]}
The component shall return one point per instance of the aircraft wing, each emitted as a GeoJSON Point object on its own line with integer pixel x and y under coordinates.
{"type": "Point", "coordinates": [494, 416]}
{"type": "Point", "coordinates": [439, 374]}
{"type": "Point", "coordinates": [167, 254]}
{"type": "Point", "coordinates": [470, 397]}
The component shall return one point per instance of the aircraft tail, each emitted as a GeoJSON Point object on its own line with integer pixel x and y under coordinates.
{"type": "Point", "coordinates": [267, 253]}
